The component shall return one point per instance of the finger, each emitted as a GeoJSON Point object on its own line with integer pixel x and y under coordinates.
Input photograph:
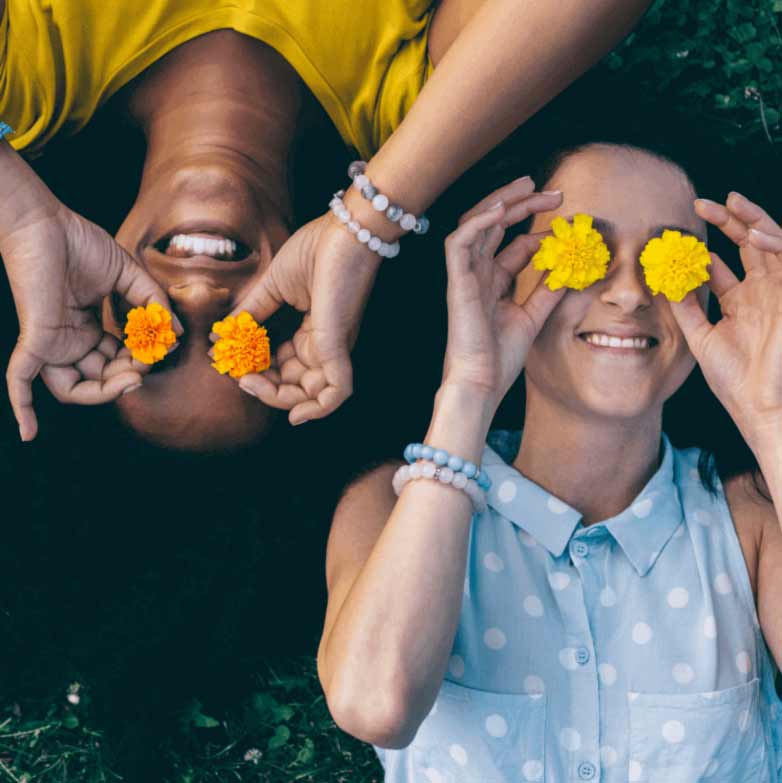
{"type": "Point", "coordinates": [508, 194]}
{"type": "Point", "coordinates": [490, 241]}
{"type": "Point", "coordinates": [23, 367]}
{"type": "Point", "coordinates": [752, 215]}
{"type": "Point", "coordinates": [339, 386]}
{"type": "Point", "coordinates": [263, 300]}
{"type": "Point", "coordinates": [692, 321]}
{"type": "Point", "coordinates": [765, 242]}
{"type": "Point", "coordinates": [519, 252]}
{"type": "Point", "coordinates": [313, 382]}
{"type": "Point", "coordinates": [292, 370]}
{"type": "Point", "coordinates": [137, 287]}
{"type": "Point", "coordinates": [276, 395]}
{"type": "Point", "coordinates": [286, 351]}
{"type": "Point", "coordinates": [721, 277]}
{"type": "Point", "coordinates": [458, 245]}
{"type": "Point", "coordinates": [537, 202]}
{"type": "Point", "coordinates": [721, 217]}
{"type": "Point", "coordinates": [68, 386]}
{"type": "Point", "coordinates": [539, 305]}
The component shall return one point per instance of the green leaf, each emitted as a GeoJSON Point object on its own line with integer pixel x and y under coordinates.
{"type": "Point", "coordinates": [777, 7]}
{"type": "Point", "coordinates": [307, 753]}
{"type": "Point", "coordinates": [70, 721]}
{"type": "Point", "coordinates": [282, 713]}
{"type": "Point", "coordinates": [263, 704]}
{"type": "Point", "coordinates": [772, 117]}
{"type": "Point", "coordinates": [281, 735]}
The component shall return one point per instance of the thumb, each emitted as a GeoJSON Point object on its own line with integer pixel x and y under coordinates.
{"type": "Point", "coordinates": [693, 322]}
{"type": "Point", "coordinates": [263, 299]}
{"type": "Point", "coordinates": [23, 367]}
{"type": "Point", "coordinates": [137, 287]}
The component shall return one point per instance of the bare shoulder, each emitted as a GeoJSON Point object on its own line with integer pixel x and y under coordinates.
{"type": "Point", "coordinates": [754, 518]}
{"type": "Point", "coordinates": [360, 517]}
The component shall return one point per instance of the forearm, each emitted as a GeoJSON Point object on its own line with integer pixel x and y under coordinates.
{"type": "Point", "coordinates": [767, 447]}
{"type": "Point", "coordinates": [511, 59]}
{"type": "Point", "coordinates": [25, 199]}
{"type": "Point", "coordinates": [391, 639]}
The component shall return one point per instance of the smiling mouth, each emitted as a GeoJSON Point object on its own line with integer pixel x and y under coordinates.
{"type": "Point", "coordinates": [216, 246]}
{"type": "Point", "coordinates": [635, 343]}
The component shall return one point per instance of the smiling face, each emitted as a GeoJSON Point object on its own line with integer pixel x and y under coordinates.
{"type": "Point", "coordinates": [614, 350]}
{"type": "Point", "coordinates": [219, 114]}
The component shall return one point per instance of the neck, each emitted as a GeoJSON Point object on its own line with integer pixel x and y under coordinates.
{"type": "Point", "coordinates": [226, 97]}
{"type": "Point", "coordinates": [596, 465]}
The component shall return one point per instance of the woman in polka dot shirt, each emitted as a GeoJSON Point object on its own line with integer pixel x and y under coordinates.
{"type": "Point", "coordinates": [608, 618]}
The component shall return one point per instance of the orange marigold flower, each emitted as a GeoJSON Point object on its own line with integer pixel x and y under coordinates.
{"type": "Point", "coordinates": [243, 346]}
{"type": "Point", "coordinates": [149, 333]}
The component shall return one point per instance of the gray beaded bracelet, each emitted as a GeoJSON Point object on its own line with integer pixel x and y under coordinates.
{"type": "Point", "coordinates": [363, 235]}
{"type": "Point", "coordinates": [394, 213]}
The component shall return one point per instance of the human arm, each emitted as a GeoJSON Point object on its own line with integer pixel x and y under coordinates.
{"type": "Point", "coordinates": [60, 266]}
{"type": "Point", "coordinates": [395, 586]}
{"type": "Point", "coordinates": [508, 60]}
{"type": "Point", "coordinates": [741, 359]}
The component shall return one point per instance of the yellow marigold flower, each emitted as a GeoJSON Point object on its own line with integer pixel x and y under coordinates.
{"type": "Point", "coordinates": [576, 255]}
{"type": "Point", "coordinates": [243, 346]}
{"type": "Point", "coordinates": [149, 333]}
{"type": "Point", "coordinates": [674, 264]}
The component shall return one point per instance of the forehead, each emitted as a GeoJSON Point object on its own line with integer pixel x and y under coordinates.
{"type": "Point", "coordinates": [632, 189]}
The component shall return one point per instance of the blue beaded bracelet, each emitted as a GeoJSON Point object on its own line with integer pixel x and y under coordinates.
{"type": "Point", "coordinates": [440, 457]}
{"type": "Point", "coordinates": [5, 130]}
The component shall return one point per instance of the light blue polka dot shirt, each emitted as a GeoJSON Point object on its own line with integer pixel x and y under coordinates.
{"type": "Point", "coordinates": [626, 651]}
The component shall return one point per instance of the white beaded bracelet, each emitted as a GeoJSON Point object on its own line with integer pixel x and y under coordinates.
{"type": "Point", "coordinates": [428, 470]}
{"type": "Point", "coordinates": [363, 235]}
{"type": "Point", "coordinates": [381, 203]}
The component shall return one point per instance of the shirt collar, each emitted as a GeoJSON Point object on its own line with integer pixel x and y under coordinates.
{"type": "Point", "coordinates": [642, 530]}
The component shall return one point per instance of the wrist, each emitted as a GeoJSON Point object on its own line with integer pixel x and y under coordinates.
{"type": "Point", "coordinates": [460, 421]}
{"type": "Point", "coordinates": [764, 435]}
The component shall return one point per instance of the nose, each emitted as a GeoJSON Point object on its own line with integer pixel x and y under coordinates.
{"type": "Point", "coordinates": [625, 286]}
{"type": "Point", "coordinates": [200, 303]}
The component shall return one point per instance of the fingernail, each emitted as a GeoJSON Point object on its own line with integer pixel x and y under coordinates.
{"type": "Point", "coordinates": [173, 347]}
{"type": "Point", "coordinates": [551, 193]}
{"type": "Point", "coordinates": [497, 205]}
{"type": "Point", "coordinates": [249, 391]}
{"type": "Point", "coordinates": [214, 337]}
{"type": "Point", "coordinates": [131, 388]}
{"type": "Point", "coordinates": [525, 178]}
{"type": "Point", "coordinates": [177, 324]}
{"type": "Point", "coordinates": [705, 201]}
{"type": "Point", "coordinates": [21, 435]}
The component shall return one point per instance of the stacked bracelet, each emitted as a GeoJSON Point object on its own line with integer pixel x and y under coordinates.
{"type": "Point", "coordinates": [440, 457]}
{"type": "Point", "coordinates": [428, 470]}
{"type": "Point", "coordinates": [381, 203]}
{"type": "Point", "coordinates": [376, 244]}
{"type": "Point", "coordinates": [5, 130]}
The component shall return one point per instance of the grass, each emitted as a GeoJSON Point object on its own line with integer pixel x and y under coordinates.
{"type": "Point", "coordinates": [280, 732]}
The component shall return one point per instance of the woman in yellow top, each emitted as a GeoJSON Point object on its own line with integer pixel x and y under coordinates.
{"type": "Point", "coordinates": [421, 90]}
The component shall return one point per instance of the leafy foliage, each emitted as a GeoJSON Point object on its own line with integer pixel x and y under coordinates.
{"type": "Point", "coordinates": [721, 59]}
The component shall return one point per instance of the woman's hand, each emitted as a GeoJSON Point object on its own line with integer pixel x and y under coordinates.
{"type": "Point", "coordinates": [488, 334]}
{"type": "Point", "coordinates": [741, 355]}
{"type": "Point", "coordinates": [325, 273]}
{"type": "Point", "coordinates": [60, 267]}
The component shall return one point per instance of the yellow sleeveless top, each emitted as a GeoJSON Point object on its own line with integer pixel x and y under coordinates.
{"type": "Point", "coordinates": [364, 61]}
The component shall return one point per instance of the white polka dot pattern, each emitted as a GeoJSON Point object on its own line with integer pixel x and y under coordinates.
{"type": "Point", "coordinates": [493, 562]}
{"type": "Point", "coordinates": [496, 725]}
{"type": "Point", "coordinates": [458, 754]}
{"type": "Point", "coordinates": [642, 633]}
{"type": "Point", "coordinates": [532, 770]}
{"type": "Point", "coordinates": [533, 606]}
{"type": "Point", "coordinates": [494, 639]}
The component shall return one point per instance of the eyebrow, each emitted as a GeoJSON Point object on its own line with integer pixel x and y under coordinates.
{"type": "Point", "coordinates": [607, 228]}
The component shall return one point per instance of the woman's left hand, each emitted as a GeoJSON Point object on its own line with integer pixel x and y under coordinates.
{"type": "Point", "coordinates": [741, 355]}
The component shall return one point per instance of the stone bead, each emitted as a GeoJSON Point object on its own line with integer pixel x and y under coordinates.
{"type": "Point", "coordinates": [363, 236]}
{"type": "Point", "coordinates": [394, 213]}
{"type": "Point", "coordinates": [393, 250]}
{"type": "Point", "coordinates": [446, 475]}
{"type": "Point", "coordinates": [428, 469]}
{"type": "Point", "coordinates": [383, 250]}
{"type": "Point", "coordinates": [440, 457]}
{"type": "Point", "coordinates": [361, 181]}
{"type": "Point", "coordinates": [415, 472]}
{"type": "Point", "coordinates": [427, 452]}
{"type": "Point", "coordinates": [354, 227]}
{"type": "Point", "coordinates": [355, 168]}
{"type": "Point", "coordinates": [369, 192]}
{"type": "Point", "coordinates": [459, 481]}
{"type": "Point", "coordinates": [421, 226]}
{"type": "Point", "coordinates": [470, 469]}
{"type": "Point", "coordinates": [343, 215]}
{"type": "Point", "coordinates": [417, 450]}
{"type": "Point", "coordinates": [380, 202]}
{"type": "Point", "coordinates": [374, 244]}
{"type": "Point", "coordinates": [408, 221]}
{"type": "Point", "coordinates": [455, 463]}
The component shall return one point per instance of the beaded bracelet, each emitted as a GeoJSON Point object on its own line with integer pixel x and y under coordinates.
{"type": "Point", "coordinates": [443, 474]}
{"type": "Point", "coordinates": [5, 130]}
{"type": "Point", "coordinates": [376, 244]}
{"type": "Point", "coordinates": [415, 451]}
{"type": "Point", "coordinates": [381, 203]}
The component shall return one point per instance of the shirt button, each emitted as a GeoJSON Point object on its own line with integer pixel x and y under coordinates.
{"type": "Point", "coordinates": [586, 770]}
{"type": "Point", "coordinates": [580, 549]}
{"type": "Point", "coordinates": [582, 655]}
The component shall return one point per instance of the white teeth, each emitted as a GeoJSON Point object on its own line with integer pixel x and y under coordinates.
{"type": "Point", "coordinates": [608, 341]}
{"type": "Point", "coordinates": [225, 248]}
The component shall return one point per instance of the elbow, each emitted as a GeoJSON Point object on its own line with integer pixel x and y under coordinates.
{"type": "Point", "coordinates": [379, 717]}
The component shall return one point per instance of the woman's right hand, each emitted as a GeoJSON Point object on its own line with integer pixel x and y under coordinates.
{"type": "Point", "coordinates": [489, 335]}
